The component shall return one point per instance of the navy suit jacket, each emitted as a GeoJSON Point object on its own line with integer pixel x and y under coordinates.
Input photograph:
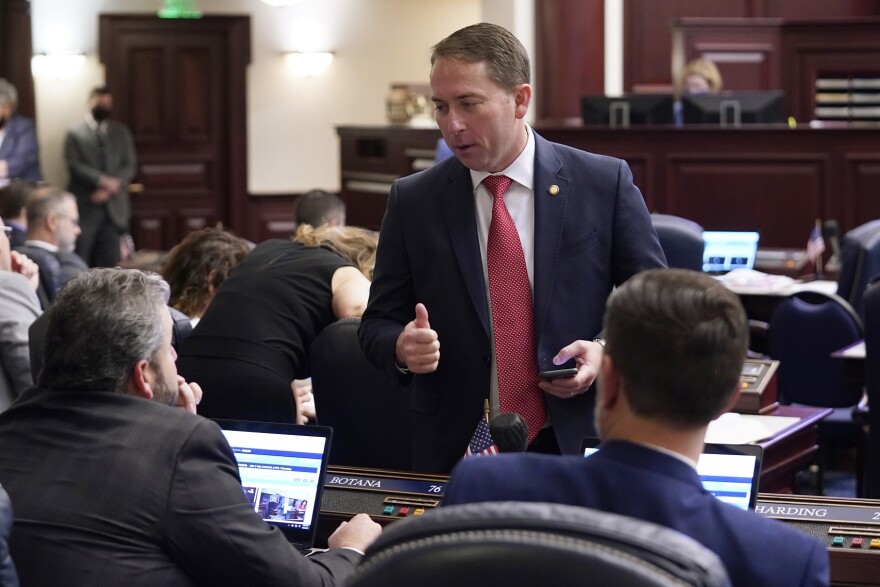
{"type": "Point", "coordinates": [20, 151]}
{"type": "Point", "coordinates": [591, 236]}
{"type": "Point", "coordinates": [639, 482]}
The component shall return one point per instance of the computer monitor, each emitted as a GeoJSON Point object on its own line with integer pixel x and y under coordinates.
{"type": "Point", "coordinates": [734, 108]}
{"type": "Point", "coordinates": [631, 109]}
{"type": "Point", "coordinates": [726, 250]}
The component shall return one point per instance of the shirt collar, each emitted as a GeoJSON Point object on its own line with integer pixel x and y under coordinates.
{"type": "Point", "coordinates": [522, 170]}
{"type": "Point", "coordinates": [42, 245]}
{"type": "Point", "coordinates": [671, 453]}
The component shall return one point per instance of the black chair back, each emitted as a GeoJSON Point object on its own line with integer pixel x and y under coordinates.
{"type": "Point", "coordinates": [804, 330]}
{"type": "Point", "coordinates": [681, 240]}
{"type": "Point", "coordinates": [872, 380]}
{"type": "Point", "coordinates": [859, 262]}
{"type": "Point", "coordinates": [367, 409]}
{"type": "Point", "coordinates": [519, 544]}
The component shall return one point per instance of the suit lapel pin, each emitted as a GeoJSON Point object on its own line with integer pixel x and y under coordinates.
{"type": "Point", "coordinates": [553, 190]}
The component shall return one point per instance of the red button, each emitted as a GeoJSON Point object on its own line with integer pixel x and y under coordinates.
{"type": "Point", "coordinates": [403, 512]}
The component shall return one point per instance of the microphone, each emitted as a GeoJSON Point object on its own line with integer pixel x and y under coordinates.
{"type": "Point", "coordinates": [832, 232]}
{"type": "Point", "coordinates": [509, 432]}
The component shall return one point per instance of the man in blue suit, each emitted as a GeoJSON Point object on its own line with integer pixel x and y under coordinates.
{"type": "Point", "coordinates": [583, 228]}
{"type": "Point", "coordinates": [676, 341]}
{"type": "Point", "coordinates": [19, 153]}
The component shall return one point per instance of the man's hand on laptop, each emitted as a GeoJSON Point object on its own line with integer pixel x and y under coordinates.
{"type": "Point", "coordinates": [188, 395]}
{"type": "Point", "coordinates": [357, 534]}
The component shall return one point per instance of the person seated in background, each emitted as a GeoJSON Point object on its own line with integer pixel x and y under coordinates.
{"type": "Point", "coordinates": [19, 307]}
{"type": "Point", "coordinates": [699, 76]}
{"type": "Point", "coordinates": [53, 227]}
{"type": "Point", "coordinates": [254, 339]}
{"type": "Point", "coordinates": [197, 267]}
{"type": "Point", "coordinates": [318, 208]}
{"type": "Point", "coordinates": [19, 152]}
{"type": "Point", "coordinates": [112, 485]}
{"type": "Point", "coordinates": [675, 344]}
{"type": "Point", "coordinates": [13, 210]}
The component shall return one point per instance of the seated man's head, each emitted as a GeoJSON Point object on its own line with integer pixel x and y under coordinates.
{"type": "Point", "coordinates": [676, 343]}
{"type": "Point", "coordinates": [110, 330]}
{"type": "Point", "coordinates": [53, 217]}
{"type": "Point", "coordinates": [13, 198]}
{"type": "Point", "coordinates": [318, 208]}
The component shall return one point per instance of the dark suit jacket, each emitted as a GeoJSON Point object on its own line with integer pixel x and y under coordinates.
{"type": "Point", "coordinates": [83, 156]}
{"type": "Point", "coordinates": [639, 482]}
{"type": "Point", "coordinates": [19, 149]}
{"type": "Point", "coordinates": [593, 235]}
{"type": "Point", "coordinates": [111, 489]}
{"type": "Point", "coordinates": [56, 269]}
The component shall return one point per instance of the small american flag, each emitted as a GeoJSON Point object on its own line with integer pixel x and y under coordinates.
{"type": "Point", "coordinates": [815, 244]}
{"type": "Point", "coordinates": [481, 442]}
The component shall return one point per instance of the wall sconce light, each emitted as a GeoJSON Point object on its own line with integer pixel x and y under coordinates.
{"type": "Point", "coordinates": [57, 65]}
{"type": "Point", "coordinates": [308, 64]}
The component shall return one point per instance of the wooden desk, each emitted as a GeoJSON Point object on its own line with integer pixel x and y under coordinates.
{"type": "Point", "coordinates": [790, 450]}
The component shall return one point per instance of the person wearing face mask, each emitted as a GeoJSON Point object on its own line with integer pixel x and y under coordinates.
{"type": "Point", "coordinates": [19, 153]}
{"type": "Point", "coordinates": [100, 156]}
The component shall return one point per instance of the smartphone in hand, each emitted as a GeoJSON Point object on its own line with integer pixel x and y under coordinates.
{"type": "Point", "coordinates": [547, 370]}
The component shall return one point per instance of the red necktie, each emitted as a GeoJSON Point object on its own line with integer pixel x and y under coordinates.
{"type": "Point", "coordinates": [512, 320]}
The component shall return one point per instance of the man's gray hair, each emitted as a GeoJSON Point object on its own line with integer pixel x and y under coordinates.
{"type": "Point", "coordinates": [8, 93]}
{"type": "Point", "coordinates": [100, 325]}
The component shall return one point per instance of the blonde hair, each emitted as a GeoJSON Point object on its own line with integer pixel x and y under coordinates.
{"type": "Point", "coordinates": [706, 70]}
{"type": "Point", "coordinates": [357, 245]}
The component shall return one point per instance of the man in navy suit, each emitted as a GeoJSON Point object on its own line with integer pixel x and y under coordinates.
{"type": "Point", "coordinates": [583, 226]}
{"type": "Point", "coordinates": [19, 153]}
{"type": "Point", "coordinates": [676, 341]}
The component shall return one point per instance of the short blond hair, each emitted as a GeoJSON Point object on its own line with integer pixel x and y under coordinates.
{"type": "Point", "coordinates": [357, 245]}
{"type": "Point", "coordinates": [706, 70]}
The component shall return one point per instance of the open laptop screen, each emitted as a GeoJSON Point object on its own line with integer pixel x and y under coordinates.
{"type": "Point", "coordinates": [282, 469]}
{"type": "Point", "coordinates": [730, 472]}
{"type": "Point", "coordinates": [726, 250]}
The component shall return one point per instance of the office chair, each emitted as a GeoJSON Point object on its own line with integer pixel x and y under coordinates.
{"type": "Point", "coordinates": [526, 544]}
{"type": "Point", "coordinates": [859, 262]}
{"type": "Point", "coordinates": [366, 407]}
{"type": "Point", "coordinates": [804, 330]}
{"type": "Point", "coordinates": [681, 240]}
{"type": "Point", "coordinates": [871, 299]}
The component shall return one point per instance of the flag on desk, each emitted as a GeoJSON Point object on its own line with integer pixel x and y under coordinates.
{"type": "Point", "coordinates": [481, 442]}
{"type": "Point", "coordinates": [815, 244]}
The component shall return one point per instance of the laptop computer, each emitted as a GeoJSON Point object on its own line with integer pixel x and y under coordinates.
{"type": "Point", "coordinates": [726, 250]}
{"type": "Point", "coordinates": [730, 472]}
{"type": "Point", "coordinates": [282, 468]}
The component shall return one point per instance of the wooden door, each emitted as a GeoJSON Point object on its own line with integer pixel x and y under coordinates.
{"type": "Point", "coordinates": [180, 87]}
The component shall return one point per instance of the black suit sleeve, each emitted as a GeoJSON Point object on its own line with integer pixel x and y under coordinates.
{"type": "Point", "coordinates": [217, 538]}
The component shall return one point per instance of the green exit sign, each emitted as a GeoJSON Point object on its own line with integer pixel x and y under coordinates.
{"type": "Point", "coordinates": [180, 9]}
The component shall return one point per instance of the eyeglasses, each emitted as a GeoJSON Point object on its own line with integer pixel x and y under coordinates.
{"type": "Point", "coordinates": [7, 230]}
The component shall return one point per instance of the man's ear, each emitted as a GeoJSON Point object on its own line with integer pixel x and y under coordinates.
{"type": "Point", "coordinates": [732, 401]}
{"type": "Point", "coordinates": [140, 380]}
{"type": "Point", "coordinates": [609, 383]}
{"type": "Point", "coordinates": [522, 97]}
